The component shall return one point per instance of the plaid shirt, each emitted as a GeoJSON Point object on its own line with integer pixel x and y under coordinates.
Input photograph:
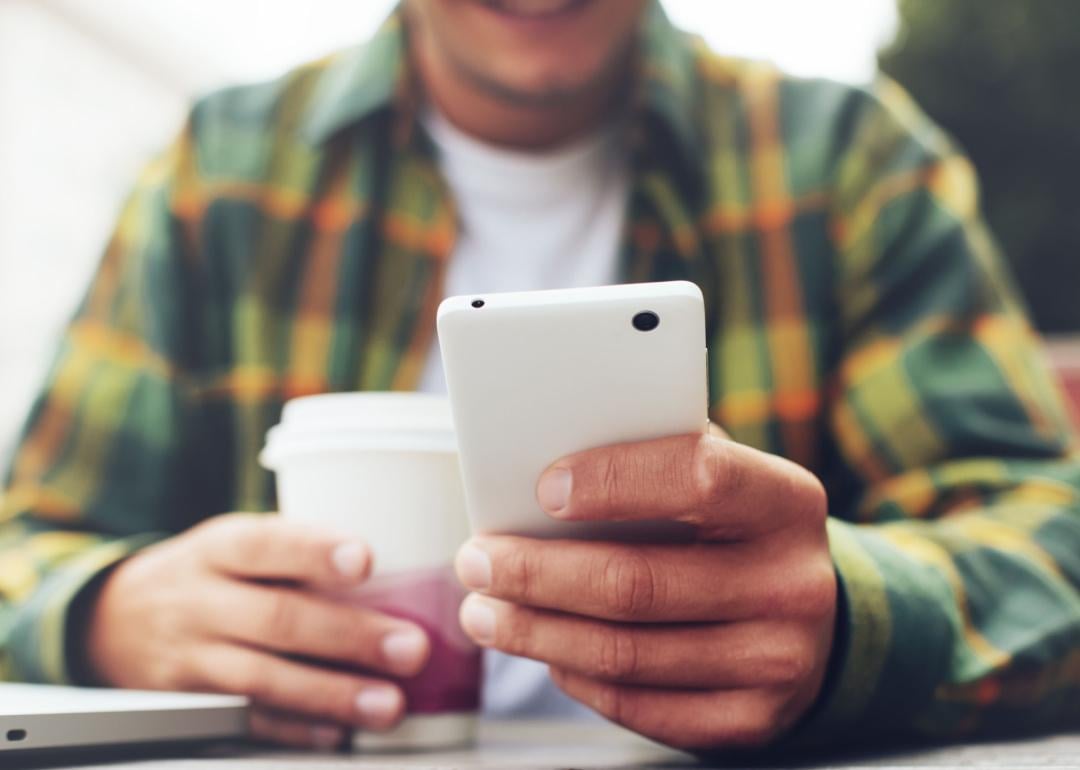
{"type": "Point", "coordinates": [294, 239]}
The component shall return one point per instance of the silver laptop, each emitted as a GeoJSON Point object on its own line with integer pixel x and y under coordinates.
{"type": "Point", "coordinates": [37, 717]}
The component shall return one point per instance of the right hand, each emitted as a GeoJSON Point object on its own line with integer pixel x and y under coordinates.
{"type": "Point", "coordinates": [233, 606]}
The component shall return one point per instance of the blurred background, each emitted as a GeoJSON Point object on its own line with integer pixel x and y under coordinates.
{"type": "Point", "coordinates": [89, 89]}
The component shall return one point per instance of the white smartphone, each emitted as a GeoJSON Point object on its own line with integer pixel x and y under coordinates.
{"type": "Point", "coordinates": [535, 376]}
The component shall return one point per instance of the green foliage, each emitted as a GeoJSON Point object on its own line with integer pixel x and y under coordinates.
{"type": "Point", "coordinates": [1001, 76]}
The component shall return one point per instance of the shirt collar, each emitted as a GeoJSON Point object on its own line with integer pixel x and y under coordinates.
{"type": "Point", "coordinates": [364, 80]}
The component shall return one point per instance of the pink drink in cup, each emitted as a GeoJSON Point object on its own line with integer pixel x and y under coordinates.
{"type": "Point", "coordinates": [430, 598]}
{"type": "Point", "coordinates": [383, 467]}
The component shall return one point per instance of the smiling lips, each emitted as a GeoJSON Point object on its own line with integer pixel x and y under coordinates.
{"type": "Point", "coordinates": [534, 9]}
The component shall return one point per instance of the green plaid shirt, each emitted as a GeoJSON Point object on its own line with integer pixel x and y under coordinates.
{"type": "Point", "coordinates": [294, 241]}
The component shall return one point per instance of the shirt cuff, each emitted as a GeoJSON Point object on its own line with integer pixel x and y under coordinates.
{"type": "Point", "coordinates": [892, 648]}
{"type": "Point", "coordinates": [38, 640]}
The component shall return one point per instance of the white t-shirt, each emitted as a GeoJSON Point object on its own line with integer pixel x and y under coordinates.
{"type": "Point", "coordinates": [528, 221]}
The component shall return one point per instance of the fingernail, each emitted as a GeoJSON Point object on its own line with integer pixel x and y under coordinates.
{"type": "Point", "coordinates": [474, 567]}
{"type": "Point", "coordinates": [553, 490]}
{"type": "Point", "coordinates": [326, 738]}
{"type": "Point", "coordinates": [350, 560]}
{"type": "Point", "coordinates": [379, 704]}
{"type": "Point", "coordinates": [478, 620]}
{"type": "Point", "coordinates": [405, 651]}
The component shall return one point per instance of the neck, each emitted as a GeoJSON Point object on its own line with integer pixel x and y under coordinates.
{"type": "Point", "coordinates": [512, 123]}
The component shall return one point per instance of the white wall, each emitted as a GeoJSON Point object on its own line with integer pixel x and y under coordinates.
{"type": "Point", "coordinates": [90, 88]}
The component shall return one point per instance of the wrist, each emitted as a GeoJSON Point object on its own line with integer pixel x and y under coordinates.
{"type": "Point", "coordinates": [81, 633]}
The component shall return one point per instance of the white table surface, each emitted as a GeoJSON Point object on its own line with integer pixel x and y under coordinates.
{"type": "Point", "coordinates": [567, 745]}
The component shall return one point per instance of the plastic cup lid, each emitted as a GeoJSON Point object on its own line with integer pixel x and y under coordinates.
{"type": "Point", "coordinates": [361, 421]}
{"type": "Point", "coordinates": [369, 411]}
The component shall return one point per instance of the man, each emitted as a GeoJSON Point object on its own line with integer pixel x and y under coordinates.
{"type": "Point", "coordinates": [867, 360]}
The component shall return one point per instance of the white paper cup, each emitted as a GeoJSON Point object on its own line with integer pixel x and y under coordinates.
{"type": "Point", "coordinates": [383, 467]}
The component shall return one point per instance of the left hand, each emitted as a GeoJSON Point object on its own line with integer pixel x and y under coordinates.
{"type": "Point", "coordinates": [720, 643]}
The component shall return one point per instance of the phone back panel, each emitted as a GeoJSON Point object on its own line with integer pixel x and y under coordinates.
{"type": "Point", "coordinates": [535, 376]}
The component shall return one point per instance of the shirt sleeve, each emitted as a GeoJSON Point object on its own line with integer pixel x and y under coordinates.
{"type": "Point", "coordinates": [957, 544]}
{"type": "Point", "coordinates": [102, 466]}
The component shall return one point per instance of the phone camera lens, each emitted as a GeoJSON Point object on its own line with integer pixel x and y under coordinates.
{"type": "Point", "coordinates": [646, 321]}
{"type": "Point", "coordinates": [478, 303]}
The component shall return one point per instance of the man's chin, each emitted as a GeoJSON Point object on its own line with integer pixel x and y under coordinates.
{"type": "Point", "coordinates": [544, 96]}
{"type": "Point", "coordinates": [549, 81]}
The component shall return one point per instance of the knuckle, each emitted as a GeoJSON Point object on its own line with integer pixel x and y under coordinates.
{"type": "Point", "coordinates": [790, 665]}
{"type": "Point", "coordinates": [250, 541]}
{"type": "Point", "coordinates": [247, 676]}
{"type": "Point", "coordinates": [611, 701]}
{"type": "Point", "coordinates": [629, 582]}
{"type": "Point", "coordinates": [230, 526]}
{"type": "Point", "coordinates": [514, 634]}
{"type": "Point", "coordinates": [170, 622]}
{"type": "Point", "coordinates": [281, 616]}
{"type": "Point", "coordinates": [714, 475]}
{"type": "Point", "coordinates": [617, 654]}
{"type": "Point", "coordinates": [801, 588]}
{"type": "Point", "coordinates": [800, 666]}
{"type": "Point", "coordinates": [815, 596]}
{"type": "Point", "coordinates": [812, 502]}
{"type": "Point", "coordinates": [756, 726]}
{"type": "Point", "coordinates": [170, 672]}
{"type": "Point", "coordinates": [609, 476]}
{"type": "Point", "coordinates": [180, 665]}
{"type": "Point", "coordinates": [234, 539]}
{"type": "Point", "coordinates": [519, 570]}
{"type": "Point", "coordinates": [174, 664]}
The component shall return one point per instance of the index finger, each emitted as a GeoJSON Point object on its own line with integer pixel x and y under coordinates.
{"type": "Point", "coordinates": [706, 582]}
{"type": "Point", "coordinates": [724, 489]}
{"type": "Point", "coordinates": [268, 547]}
